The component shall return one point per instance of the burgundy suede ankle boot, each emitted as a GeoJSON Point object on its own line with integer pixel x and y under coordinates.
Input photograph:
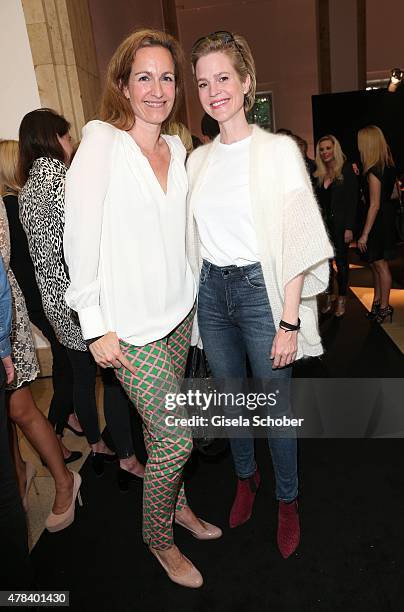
{"type": "Point", "coordinates": [288, 528]}
{"type": "Point", "coordinates": [244, 500]}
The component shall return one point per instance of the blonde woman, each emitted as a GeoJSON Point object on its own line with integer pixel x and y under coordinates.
{"type": "Point", "coordinates": [259, 249]}
{"type": "Point", "coordinates": [61, 405]}
{"type": "Point", "coordinates": [377, 242]}
{"type": "Point", "coordinates": [24, 412]}
{"type": "Point", "coordinates": [125, 218]}
{"type": "Point", "coordinates": [337, 192]}
{"type": "Point", "coordinates": [176, 128]}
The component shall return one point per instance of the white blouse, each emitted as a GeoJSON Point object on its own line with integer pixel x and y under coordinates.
{"type": "Point", "coordinates": [222, 207]}
{"type": "Point", "coordinates": [124, 240]}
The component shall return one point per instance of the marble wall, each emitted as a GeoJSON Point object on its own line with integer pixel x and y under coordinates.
{"type": "Point", "coordinates": [19, 91]}
{"type": "Point", "coordinates": [63, 53]}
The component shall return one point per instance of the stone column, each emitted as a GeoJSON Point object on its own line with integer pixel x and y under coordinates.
{"type": "Point", "coordinates": [63, 52]}
{"type": "Point", "coordinates": [341, 32]}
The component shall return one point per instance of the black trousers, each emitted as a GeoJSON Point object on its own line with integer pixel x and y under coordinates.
{"type": "Point", "coordinates": [84, 373]}
{"type": "Point", "coordinates": [15, 567]}
{"type": "Point", "coordinates": [117, 412]}
{"type": "Point", "coordinates": [116, 403]}
{"type": "Point", "coordinates": [62, 374]}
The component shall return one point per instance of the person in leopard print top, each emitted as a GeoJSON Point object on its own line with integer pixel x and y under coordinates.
{"type": "Point", "coordinates": [45, 153]}
{"type": "Point", "coordinates": [42, 215]}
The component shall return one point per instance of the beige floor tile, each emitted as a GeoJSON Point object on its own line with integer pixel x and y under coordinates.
{"type": "Point", "coordinates": [39, 506]}
{"type": "Point", "coordinates": [395, 329]}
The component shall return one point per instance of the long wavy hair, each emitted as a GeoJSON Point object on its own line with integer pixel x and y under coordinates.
{"type": "Point", "coordinates": [115, 108]}
{"type": "Point", "coordinates": [8, 167]}
{"type": "Point", "coordinates": [339, 160]}
{"type": "Point", "coordinates": [374, 149]}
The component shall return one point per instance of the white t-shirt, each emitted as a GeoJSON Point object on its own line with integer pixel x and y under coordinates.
{"type": "Point", "coordinates": [124, 238]}
{"type": "Point", "coordinates": [223, 207]}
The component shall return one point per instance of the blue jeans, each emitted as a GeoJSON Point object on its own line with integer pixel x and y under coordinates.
{"type": "Point", "coordinates": [235, 320]}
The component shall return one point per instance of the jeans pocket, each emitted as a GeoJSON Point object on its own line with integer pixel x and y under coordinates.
{"type": "Point", "coordinates": [204, 275]}
{"type": "Point", "coordinates": [255, 279]}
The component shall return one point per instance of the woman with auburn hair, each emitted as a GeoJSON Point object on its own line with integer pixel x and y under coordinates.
{"type": "Point", "coordinates": [135, 294]}
{"type": "Point", "coordinates": [337, 191]}
{"type": "Point", "coordinates": [378, 240]}
{"type": "Point", "coordinates": [257, 245]}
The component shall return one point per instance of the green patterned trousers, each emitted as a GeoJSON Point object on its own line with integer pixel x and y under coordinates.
{"type": "Point", "coordinates": [159, 367]}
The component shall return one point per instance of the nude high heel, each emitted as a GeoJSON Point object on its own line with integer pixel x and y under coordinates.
{"type": "Point", "coordinates": [57, 522]}
{"type": "Point", "coordinates": [191, 579]}
{"type": "Point", "coordinates": [30, 473]}
{"type": "Point", "coordinates": [206, 532]}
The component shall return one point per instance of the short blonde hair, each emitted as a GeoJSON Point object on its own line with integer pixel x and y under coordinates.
{"type": "Point", "coordinates": [176, 128]}
{"type": "Point", "coordinates": [373, 148]}
{"type": "Point", "coordinates": [339, 158]}
{"type": "Point", "coordinates": [115, 108]}
{"type": "Point", "coordinates": [237, 49]}
{"type": "Point", "coordinates": [8, 167]}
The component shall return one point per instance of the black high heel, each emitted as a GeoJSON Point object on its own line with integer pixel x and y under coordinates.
{"type": "Point", "coordinates": [98, 460]}
{"type": "Point", "coordinates": [328, 303]}
{"type": "Point", "coordinates": [76, 432]}
{"type": "Point", "coordinates": [383, 313]}
{"type": "Point", "coordinates": [124, 478]}
{"type": "Point", "coordinates": [372, 314]}
{"type": "Point", "coordinates": [74, 455]}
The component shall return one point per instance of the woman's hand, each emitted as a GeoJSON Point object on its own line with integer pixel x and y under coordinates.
{"type": "Point", "coordinates": [9, 368]}
{"type": "Point", "coordinates": [348, 236]}
{"type": "Point", "coordinates": [362, 243]}
{"type": "Point", "coordinates": [284, 348]}
{"type": "Point", "coordinates": [107, 353]}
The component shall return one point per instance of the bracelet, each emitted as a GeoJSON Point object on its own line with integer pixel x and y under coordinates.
{"type": "Point", "coordinates": [288, 326]}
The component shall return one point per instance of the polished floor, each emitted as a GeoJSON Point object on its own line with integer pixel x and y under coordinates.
{"type": "Point", "coordinates": [41, 495]}
{"type": "Point", "coordinates": [351, 505]}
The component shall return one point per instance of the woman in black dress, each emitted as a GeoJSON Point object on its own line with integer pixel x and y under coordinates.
{"type": "Point", "coordinates": [378, 240]}
{"type": "Point", "coordinates": [337, 192]}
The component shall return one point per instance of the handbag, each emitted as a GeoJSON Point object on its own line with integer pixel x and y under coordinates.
{"type": "Point", "coordinates": [197, 368]}
{"type": "Point", "coordinates": [197, 365]}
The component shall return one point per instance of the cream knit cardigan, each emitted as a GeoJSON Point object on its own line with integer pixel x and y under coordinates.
{"type": "Point", "coordinates": [291, 236]}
